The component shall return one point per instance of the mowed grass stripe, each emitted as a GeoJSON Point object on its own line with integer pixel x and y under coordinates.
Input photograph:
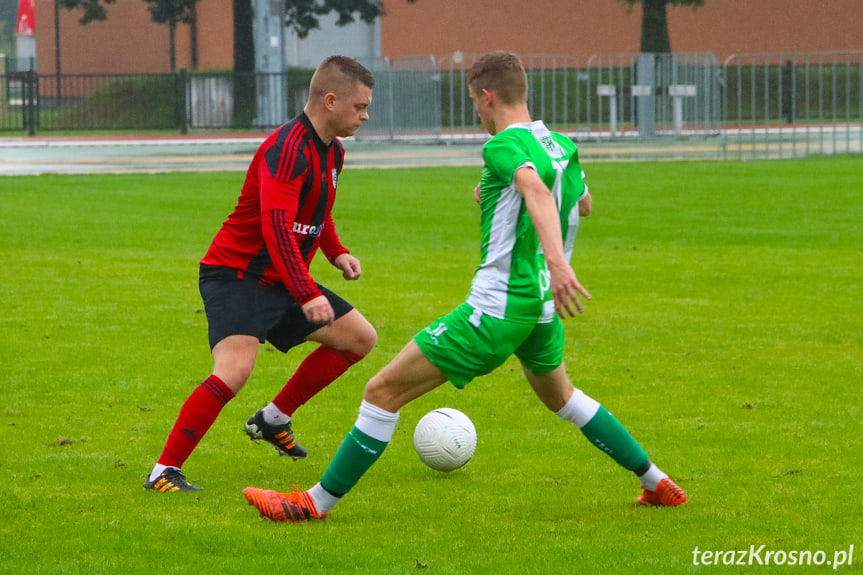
{"type": "Point", "coordinates": [725, 333]}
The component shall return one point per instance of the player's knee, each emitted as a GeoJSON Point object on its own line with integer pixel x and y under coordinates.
{"type": "Point", "coordinates": [351, 333]}
{"type": "Point", "coordinates": [379, 392]}
{"type": "Point", "coordinates": [366, 340]}
{"type": "Point", "coordinates": [362, 340]}
{"type": "Point", "coordinates": [375, 389]}
{"type": "Point", "coordinates": [235, 375]}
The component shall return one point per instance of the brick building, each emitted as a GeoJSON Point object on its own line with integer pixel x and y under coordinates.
{"type": "Point", "coordinates": [128, 42]}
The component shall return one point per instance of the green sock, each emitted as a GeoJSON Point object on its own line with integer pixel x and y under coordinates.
{"type": "Point", "coordinates": [357, 453]}
{"type": "Point", "coordinates": [606, 433]}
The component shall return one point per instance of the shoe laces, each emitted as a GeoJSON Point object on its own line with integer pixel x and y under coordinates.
{"type": "Point", "coordinates": [673, 492]}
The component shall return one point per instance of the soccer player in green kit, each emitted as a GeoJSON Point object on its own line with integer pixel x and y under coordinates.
{"type": "Point", "coordinates": [531, 195]}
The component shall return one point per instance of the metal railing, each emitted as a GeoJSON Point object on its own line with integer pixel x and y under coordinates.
{"type": "Point", "coordinates": [791, 104]}
{"type": "Point", "coordinates": [551, 82]}
{"type": "Point", "coordinates": [31, 102]}
{"type": "Point", "coordinates": [406, 99]}
{"type": "Point", "coordinates": [654, 94]}
{"type": "Point", "coordinates": [751, 106]}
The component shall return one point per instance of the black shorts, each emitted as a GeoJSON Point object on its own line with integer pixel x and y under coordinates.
{"type": "Point", "coordinates": [244, 306]}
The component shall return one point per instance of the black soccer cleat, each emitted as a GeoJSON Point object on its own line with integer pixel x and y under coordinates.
{"type": "Point", "coordinates": [281, 436]}
{"type": "Point", "coordinates": [169, 481]}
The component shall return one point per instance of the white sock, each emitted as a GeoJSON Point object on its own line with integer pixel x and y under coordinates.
{"type": "Point", "coordinates": [580, 409]}
{"type": "Point", "coordinates": [324, 500]}
{"type": "Point", "coordinates": [651, 478]}
{"type": "Point", "coordinates": [274, 416]}
{"type": "Point", "coordinates": [157, 471]}
{"type": "Point", "coordinates": [376, 422]}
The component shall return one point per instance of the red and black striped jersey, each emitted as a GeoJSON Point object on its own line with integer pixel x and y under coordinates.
{"type": "Point", "coordinates": [284, 211]}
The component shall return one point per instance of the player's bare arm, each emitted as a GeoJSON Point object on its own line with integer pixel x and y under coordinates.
{"type": "Point", "coordinates": [543, 213]}
{"type": "Point", "coordinates": [585, 205]}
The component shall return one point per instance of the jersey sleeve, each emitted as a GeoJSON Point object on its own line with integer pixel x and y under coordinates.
{"type": "Point", "coordinates": [576, 176]}
{"type": "Point", "coordinates": [503, 156]}
{"type": "Point", "coordinates": [331, 245]}
{"type": "Point", "coordinates": [279, 205]}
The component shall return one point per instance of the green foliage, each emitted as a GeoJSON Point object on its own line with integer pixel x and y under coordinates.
{"type": "Point", "coordinates": [172, 11]}
{"type": "Point", "coordinates": [7, 40]}
{"type": "Point", "coordinates": [162, 11]}
{"type": "Point", "coordinates": [91, 10]}
{"type": "Point", "coordinates": [693, 3]}
{"type": "Point", "coordinates": [303, 15]}
{"type": "Point", "coordinates": [145, 101]}
{"type": "Point", "coordinates": [724, 333]}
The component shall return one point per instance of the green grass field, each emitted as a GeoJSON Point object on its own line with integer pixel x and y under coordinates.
{"type": "Point", "coordinates": [726, 332]}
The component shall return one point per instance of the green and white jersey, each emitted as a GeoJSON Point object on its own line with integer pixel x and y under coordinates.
{"type": "Point", "coordinates": [512, 280]}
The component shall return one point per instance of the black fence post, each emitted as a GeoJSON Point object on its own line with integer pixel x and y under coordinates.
{"type": "Point", "coordinates": [31, 89]}
{"type": "Point", "coordinates": [788, 91]}
{"type": "Point", "coordinates": [182, 101]}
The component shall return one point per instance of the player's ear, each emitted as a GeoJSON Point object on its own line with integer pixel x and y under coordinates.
{"type": "Point", "coordinates": [329, 100]}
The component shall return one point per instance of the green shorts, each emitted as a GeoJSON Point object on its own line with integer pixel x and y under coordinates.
{"type": "Point", "coordinates": [467, 343]}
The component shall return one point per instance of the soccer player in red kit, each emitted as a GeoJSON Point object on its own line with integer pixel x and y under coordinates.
{"type": "Point", "coordinates": [255, 279]}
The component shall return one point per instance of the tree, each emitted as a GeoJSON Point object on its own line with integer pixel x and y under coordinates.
{"type": "Point", "coordinates": [173, 12]}
{"type": "Point", "coordinates": [654, 24]}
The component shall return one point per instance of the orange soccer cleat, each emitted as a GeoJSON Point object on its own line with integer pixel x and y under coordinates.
{"type": "Point", "coordinates": [667, 494]}
{"type": "Point", "coordinates": [294, 507]}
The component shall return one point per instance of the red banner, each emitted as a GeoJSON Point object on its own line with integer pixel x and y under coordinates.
{"type": "Point", "coordinates": [26, 18]}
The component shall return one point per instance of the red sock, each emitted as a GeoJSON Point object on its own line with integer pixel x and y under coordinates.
{"type": "Point", "coordinates": [317, 371]}
{"type": "Point", "coordinates": [196, 416]}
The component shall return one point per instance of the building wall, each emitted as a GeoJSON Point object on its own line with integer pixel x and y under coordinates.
{"type": "Point", "coordinates": [129, 42]}
{"type": "Point", "coordinates": [581, 28]}
{"type": "Point", "coordinates": [215, 35]}
{"type": "Point", "coordinates": [726, 27]}
{"type": "Point", "coordinates": [357, 40]}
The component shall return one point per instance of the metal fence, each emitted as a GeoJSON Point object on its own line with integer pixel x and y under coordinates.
{"type": "Point", "coordinates": [34, 102]}
{"type": "Point", "coordinates": [653, 94]}
{"type": "Point", "coordinates": [751, 106]}
{"type": "Point", "coordinates": [551, 85]}
{"type": "Point", "coordinates": [406, 99]}
{"type": "Point", "coordinates": [784, 105]}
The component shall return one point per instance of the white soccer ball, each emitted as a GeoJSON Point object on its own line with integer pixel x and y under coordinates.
{"type": "Point", "coordinates": [445, 439]}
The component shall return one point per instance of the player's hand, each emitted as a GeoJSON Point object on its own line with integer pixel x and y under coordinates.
{"type": "Point", "coordinates": [476, 194]}
{"type": "Point", "coordinates": [319, 311]}
{"type": "Point", "coordinates": [565, 289]}
{"type": "Point", "coordinates": [350, 266]}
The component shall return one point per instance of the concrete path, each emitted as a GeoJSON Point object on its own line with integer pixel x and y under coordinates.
{"type": "Point", "coordinates": [144, 154]}
{"type": "Point", "coordinates": [232, 152]}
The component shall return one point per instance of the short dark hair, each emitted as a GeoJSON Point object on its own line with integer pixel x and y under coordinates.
{"type": "Point", "coordinates": [500, 72]}
{"type": "Point", "coordinates": [340, 73]}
